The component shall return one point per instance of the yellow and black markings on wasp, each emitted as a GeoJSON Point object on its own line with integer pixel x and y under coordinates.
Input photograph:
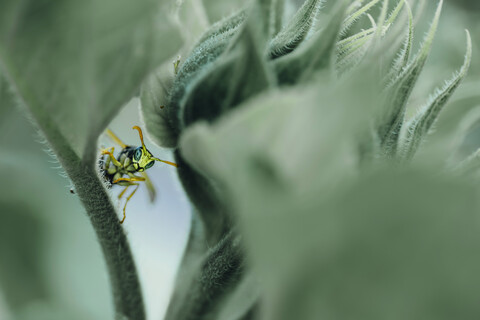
{"type": "Point", "coordinates": [121, 170]}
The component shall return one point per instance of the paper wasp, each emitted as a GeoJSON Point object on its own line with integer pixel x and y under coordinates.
{"type": "Point", "coordinates": [121, 170]}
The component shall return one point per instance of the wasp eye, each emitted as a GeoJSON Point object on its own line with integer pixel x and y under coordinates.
{"type": "Point", "coordinates": [149, 165]}
{"type": "Point", "coordinates": [138, 154]}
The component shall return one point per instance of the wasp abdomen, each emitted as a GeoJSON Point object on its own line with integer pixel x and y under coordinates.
{"type": "Point", "coordinates": [112, 172]}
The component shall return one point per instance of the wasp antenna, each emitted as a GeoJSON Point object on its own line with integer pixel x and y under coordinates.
{"type": "Point", "coordinates": [141, 136]}
{"type": "Point", "coordinates": [164, 161]}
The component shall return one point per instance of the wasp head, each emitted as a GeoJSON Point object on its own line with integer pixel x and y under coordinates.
{"type": "Point", "coordinates": [142, 158]}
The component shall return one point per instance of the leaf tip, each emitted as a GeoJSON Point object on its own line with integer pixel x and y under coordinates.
{"type": "Point", "coordinates": [468, 56]}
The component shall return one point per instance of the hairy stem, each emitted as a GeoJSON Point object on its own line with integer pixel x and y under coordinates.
{"type": "Point", "coordinates": [124, 281]}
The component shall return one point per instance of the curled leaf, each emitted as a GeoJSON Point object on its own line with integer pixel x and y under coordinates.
{"type": "Point", "coordinates": [404, 56]}
{"type": "Point", "coordinates": [399, 91]}
{"type": "Point", "coordinates": [211, 45]}
{"type": "Point", "coordinates": [352, 50]}
{"type": "Point", "coordinates": [316, 55]}
{"type": "Point", "coordinates": [354, 16]}
{"type": "Point", "coordinates": [237, 75]}
{"type": "Point", "coordinates": [297, 29]}
{"type": "Point", "coordinates": [419, 126]}
{"type": "Point", "coordinates": [154, 103]}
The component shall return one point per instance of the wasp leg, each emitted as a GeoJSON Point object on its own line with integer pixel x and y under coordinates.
{"type": "Point", "coordinates": [131, 182]}
{"type": "Point", "coordinates": [128, 199]}
{"type": "Point", "coordinates": [123, 192]}
{"type": "Point", "coordinates": [112, 157]}
{"type": "Point", "coordinates": [132, 179]}
{"type": "Point", "coordinates": [119, 197]}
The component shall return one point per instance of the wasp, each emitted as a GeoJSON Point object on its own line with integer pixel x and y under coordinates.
{"type": "Point", "coordinates": [122, 170]}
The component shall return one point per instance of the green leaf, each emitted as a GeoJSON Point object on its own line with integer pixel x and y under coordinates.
{"type": "Point", "coordinates": [354, 16]}
{"type": "Point", "coordinates": [49, 257]}
{"type": "Point", "coordinates": [46, 311]}
{"type": "Point", "coordinates": [381, 20]}
{"type": "Point", "coordinates": [315, 55]}
{"type": "Point", "coordinates": [244, 302]}
{"type": "Point", "coordinates": [286, 163]}
{"type": "Point", "coordinates": [352, 50]}
{"type": "Point", "coordinates": [6, 100]}
{"type": "Point", "coordinates": [154, 104]}
{"type": "Point", "coordinates": [240, 73]}
{"type": "Point", "coordinates": [297, 29]}
{"type": "Point", "coordinates": [207, 278]}
{"type": "Point", "coordinates": [419, 126]}
{"type": "Point", "coordinates": [470, 166]}
{"type": "Point", "coordinates": [203, 194]}
{"type": "Point", "coordinates": [301, 121]}
{"type": "Point", "coordinates": [379, 254]}
{"type": "Point", "coordinates": [191, 19]}
{"type": "Point", "coordinates": [454, 138]}
{"type": "Point", "coordinates": [237, 75]}
{"type": "Point", "coordinates": [203, 265]}
{"type": "Point", "coordinates": [231, 22]}
{"type": "Point", "coordinates": [87, 61]}
{"type": "Point", "coordinates": [348, 45]}
{"type": "Point", "coordinates": [211, 45]}
{"type": "Point", "coordinates": [292, 120]}
{"type": "Point", "coordinates": [404, 56]}
{"type": "Point", "coordinates": [276, 17]}
{"type": "Point", "coordinates": [21, 234]}
{"type": "Point", "coordinates": [218, 274]}
{"type": "Point", "coordinates": [399, 91]}
{"type": "Point", "coordinates": [396, 11]}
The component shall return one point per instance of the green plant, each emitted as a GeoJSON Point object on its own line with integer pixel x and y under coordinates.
{"type": "Point", "coordinates": [293, 145]}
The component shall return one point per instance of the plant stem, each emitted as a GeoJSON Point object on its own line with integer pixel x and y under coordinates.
{"type": "Point", "coordinates": [124, 281]}
{"type": "Point", "coordinates": [113, 241]}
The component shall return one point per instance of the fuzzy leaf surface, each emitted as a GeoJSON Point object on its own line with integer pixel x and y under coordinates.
{"type": "Point", "coordinates": [238, 74]}
{"type": "Point", "coordinates": [404, 56]}
{"type": "Point", "coordinates": [289, 169]}
{"type": "Point", "coordinates": [216, 275]}
{"type": "Point", "coordinates": [419, 126]}
{"type": "Point", "coordinates": [313, 56]}
{"type": "Point", "coordinates": [154, 103]}
{"type": "Point", "coordinates": [211, 45]}
{"type": "Point", "coordinates": [353, 49]}
{"type": "Point", "coordinates": [399, 91]}
{"type": "Point", "coordinates": [354, 16]}
{"type": "Point", "coordinates": [297, 29]}
{"type": "Point", "coordinates": [88, 60]}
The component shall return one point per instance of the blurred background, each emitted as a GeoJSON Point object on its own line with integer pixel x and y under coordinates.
{"type": "Point", "coordinates": [50, 262]}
